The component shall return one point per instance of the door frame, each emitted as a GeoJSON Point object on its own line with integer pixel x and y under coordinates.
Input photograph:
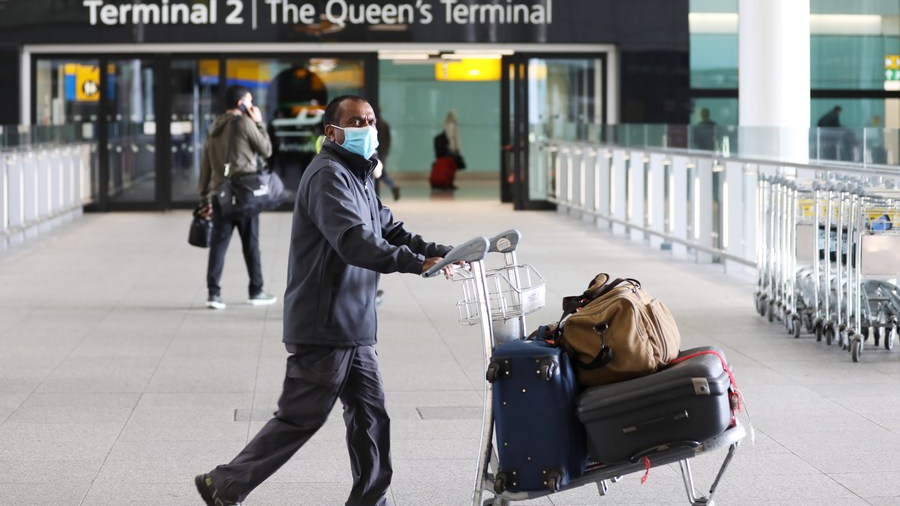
{"type": "Point", "coordinates": [162, 65]}
{"type": "Point", "coordinates": [514, 113]}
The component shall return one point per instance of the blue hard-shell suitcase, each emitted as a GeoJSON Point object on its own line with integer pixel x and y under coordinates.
{"type": "Point", "coordinates": [540, 442]}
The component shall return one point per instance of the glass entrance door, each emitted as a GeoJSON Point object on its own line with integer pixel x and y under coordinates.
{"type": "Point", "coordinates": [130, 110]}
{"type": "Point", "coordinates": [551, 98]}
{"type": "Point", "coordinates": [194, 94]}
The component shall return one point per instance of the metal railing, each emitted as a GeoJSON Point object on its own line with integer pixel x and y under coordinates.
{"type": "Point", "coordinates": [47, 176]}
{"type": "Point", "coordinates": [700, 204]}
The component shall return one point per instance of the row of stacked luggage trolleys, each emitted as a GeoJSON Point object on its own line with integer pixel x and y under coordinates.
{"type": "Point", "coordinates": [597, 435]}
{"type": "Point", "coordinates": [829, 259]}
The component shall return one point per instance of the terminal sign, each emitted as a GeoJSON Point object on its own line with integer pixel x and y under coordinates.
{"type": "Point", "coordinates": [307, 12]}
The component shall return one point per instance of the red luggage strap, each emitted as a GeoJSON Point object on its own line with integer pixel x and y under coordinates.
{"type": "Point", "coordinates": [737, 398]}
{"type": "Point", "coordinates": [727, 369]}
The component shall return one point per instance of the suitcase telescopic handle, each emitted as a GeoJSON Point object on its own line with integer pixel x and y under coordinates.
{"type": "Point", "coordinates": [505, 242]}
{"type": "Point", "coordinates": [472, 250]}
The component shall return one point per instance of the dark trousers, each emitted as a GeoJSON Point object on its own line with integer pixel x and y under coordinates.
{"type": "Point", "coordinates": [316, 378]}
{"type": "Point", "coordinates": [248, 229]}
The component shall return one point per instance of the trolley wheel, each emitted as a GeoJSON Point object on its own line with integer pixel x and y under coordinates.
{"type": "Point", "coordinates": [770, 311]}
{"type": "Point", "coordinates": [889, 338]}
{"type": "Point", "coordinates": [796, 327]}
{"type": "Point", "coordinates": [856, 348]}
{"type": "Point", "coordinates": [819, 332]}
{"type": "Point", "coordinates": [876, 335]}
{"type": "Point", "coordinates": [810, 324]}
{"type": "Point", "coordinates": [865, 331]}
{"type": "Point", "coordinates": [829, 335]}
{"type": "Point", "coordinates": [761, 304]}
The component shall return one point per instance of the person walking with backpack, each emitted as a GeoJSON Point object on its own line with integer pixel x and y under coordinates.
{"type": "Point", "coordinates": [236, 140]}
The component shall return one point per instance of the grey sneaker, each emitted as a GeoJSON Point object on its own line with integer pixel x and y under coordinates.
{"type": "Point", "coordinates": [215, 302]}
{"type": "Point", "coordinates": [209, 493]}
{"type": "Point", "coordinates": [262, 299]}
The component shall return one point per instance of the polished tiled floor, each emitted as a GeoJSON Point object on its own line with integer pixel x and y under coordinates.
{"type": "Point", "coordinates": [117, 386]}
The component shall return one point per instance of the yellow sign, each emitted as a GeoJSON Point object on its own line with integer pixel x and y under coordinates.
{"type": "Point", "coordinates": [892, 61]}
{"type": "Point", "coordinates": [468, 69]}
{"type": "Point", "coordinates": [87, 83]}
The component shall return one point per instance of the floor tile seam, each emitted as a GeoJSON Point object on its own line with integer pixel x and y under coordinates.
{"type": "Point", "coordinates": [259, 366]}
{"type": "Point", "coordinates": [84, 337]}
{"type": "Point", "coordinates": [140, 396]}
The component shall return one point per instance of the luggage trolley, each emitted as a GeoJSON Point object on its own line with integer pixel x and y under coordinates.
{"type": "Point", "coordinates": [801, 258]}
{"type": "Point", "coordinates": [876, 308]}
{"type": "Point", "coordinates": [497, 300]}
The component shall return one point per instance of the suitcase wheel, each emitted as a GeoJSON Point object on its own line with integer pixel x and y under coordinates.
{"type": "Point", "coordinates": [554, 481]}
{"type": "Point", "coordinates": [547, 369]}
{"type": "Point", "coordinates": [500, 483]}
{"type": "Point", "coordinates": [493, 371]}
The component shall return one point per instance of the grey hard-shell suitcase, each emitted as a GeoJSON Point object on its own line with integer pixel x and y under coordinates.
{"type": "Point", "coordinates": [683, 404]}
{"type": "Point", "coordinates": [540, 443]}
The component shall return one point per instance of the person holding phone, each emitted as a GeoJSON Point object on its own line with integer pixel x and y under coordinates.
{"type": "Point", "coordinates": [239, 132]}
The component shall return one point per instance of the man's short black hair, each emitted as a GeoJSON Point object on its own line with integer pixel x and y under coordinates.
{"type": "Point", "coordinates": [234, 94]}
{"type": "Point", "coordinates": [331, 110]}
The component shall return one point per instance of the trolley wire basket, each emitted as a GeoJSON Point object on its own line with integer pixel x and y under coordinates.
{"type": "Point", "coordinates": [512, 292]}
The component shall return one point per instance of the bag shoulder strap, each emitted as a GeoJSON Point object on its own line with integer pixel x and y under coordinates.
{"type": "Point", "coordinates": [232, 136]}
{"type": "Point", "coordinates": [600, 286]}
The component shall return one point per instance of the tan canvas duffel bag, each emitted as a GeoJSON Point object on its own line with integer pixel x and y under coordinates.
{"type": "Point", "coordinates": [615, 331]}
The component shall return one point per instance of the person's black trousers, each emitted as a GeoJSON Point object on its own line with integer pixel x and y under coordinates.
{"type": "Point", "coordinates": [248, 229]}
{"type": "Point", "coordinates": [316, 378]}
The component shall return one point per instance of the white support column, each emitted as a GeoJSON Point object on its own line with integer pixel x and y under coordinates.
{"type": "Point", "coordinates": [773, 78]}
{"type": "Point", "coordinates": [680, 204]}
{"type": "Point", "coordinates": [636, 198]}
{"type": "Point", "coordinates": [617, 187]}
{"type": "Point", "coordinates": [657, 198]}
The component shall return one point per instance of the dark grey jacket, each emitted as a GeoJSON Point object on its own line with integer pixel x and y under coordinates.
{"type": "Point", "coordinates": [341, 239]}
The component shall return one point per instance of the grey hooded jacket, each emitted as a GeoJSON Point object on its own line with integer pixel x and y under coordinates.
{"type": "Point", "coordinates": [342, 238]}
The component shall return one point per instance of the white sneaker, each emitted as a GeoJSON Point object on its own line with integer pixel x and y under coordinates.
{"type": "Point", "coordinates": [215, 302]}
{"type": "Point", "coordinates": [262, 299]}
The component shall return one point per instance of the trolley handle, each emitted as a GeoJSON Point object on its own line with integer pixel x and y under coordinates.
{"type": "Point", "coordinates": [472, 250]}
{"type": "Point", "coordinates": [505, 242]}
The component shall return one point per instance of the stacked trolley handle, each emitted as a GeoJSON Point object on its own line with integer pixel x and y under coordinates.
{"type": "Point", "coordinates": [543, 433]}
{"type": "Point", "coordinates": [829, 259]}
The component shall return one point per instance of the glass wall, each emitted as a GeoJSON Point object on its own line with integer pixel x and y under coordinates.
{"type": "Point", "coordinates": [131, 130]}
{"type": "Point", "coordinates": [292, 94]}
{"type": "Point", "coordinates": [565, 102]}
{"type": "Point", "coordinates": [854, 60]}
{"type": "Point", "coordinates": [415, 103]}
{"type": "Point", "coordinates": [194, 91]}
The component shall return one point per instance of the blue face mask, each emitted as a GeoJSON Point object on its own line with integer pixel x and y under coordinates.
{"type": "Point", "coordinates": [360, 140]}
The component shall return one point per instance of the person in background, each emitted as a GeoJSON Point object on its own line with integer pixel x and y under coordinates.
{"type": "Point", "coordinates": [447, 155]}
{"type": "Point", "coordinates": [830, 133]}
{"type": "Point", "coordinates": [342, 239]}
{"type": "Point", "coordinates": [241, 129]}
{"type": "Point", "coordinates": [705, 132]}
{"type": "Point", "coordinates": [384, 149]}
